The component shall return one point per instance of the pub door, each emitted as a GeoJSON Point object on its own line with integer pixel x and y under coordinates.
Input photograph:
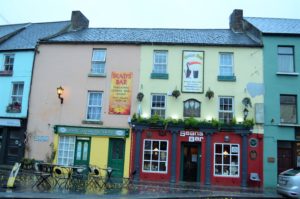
{"type": "Point", "coordinates": [190, 162]}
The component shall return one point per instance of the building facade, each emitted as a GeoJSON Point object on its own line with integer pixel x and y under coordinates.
{"type": "Point", "coordinates": [205, 152]}
{"type": "Point", "coordinates": [17, 52]}
{"type": "Point", "coordinates": [281, 75]}
{"type": "Point", "coordinates": [88, 123]}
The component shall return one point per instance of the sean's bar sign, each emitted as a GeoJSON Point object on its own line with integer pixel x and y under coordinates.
{"type": "Point", "coordinates": [194, 136]}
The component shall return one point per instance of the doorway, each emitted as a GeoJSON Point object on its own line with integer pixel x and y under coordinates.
{"type": "Point", "coordinates": [190, 162]}
{"type": "Point", "coordinates": [82, 151]}
{"type": "Point", "coordinates": [116, 156]}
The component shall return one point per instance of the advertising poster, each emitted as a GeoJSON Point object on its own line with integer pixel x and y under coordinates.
{"type": "Point", "coordinates": [120, 93]}
{"type": "Point", "coordinates": [192, 71]}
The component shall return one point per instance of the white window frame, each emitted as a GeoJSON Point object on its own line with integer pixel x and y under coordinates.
{"type": "Point", "coordinates": [223, 66]}
{"type": "Point", "coordinates": [159, 151]}
{"type": "Point", "coordinates": [94, 106]}
{"type": "Point", "coordinates": [159, 67]}
{"type": "Point", "coordinates": [280, 68]}
{"type": "Point", "coordinates": [17, 95]}
{"type": "Point", "coordinates": [226, 111]}
{"type": "Point", "coordinates": [66, 150]}
{"type": "Point", "coordinates": [100, 62]}
{"type": "Point", "coordinates": [10, 65]}
{"type": "Point", "coordinates": [159, 108]}
{"type": "Point", "coordinates": [231, 164]}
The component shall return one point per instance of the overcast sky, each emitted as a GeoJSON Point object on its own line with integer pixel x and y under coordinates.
{"type": "Point", "coordinates": [145, 13]}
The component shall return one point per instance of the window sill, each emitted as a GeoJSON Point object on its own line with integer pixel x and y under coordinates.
{"type": "Point", "coordinates": [96, 75]}
{"type": "Point", "coordinates": [6, 73]}
{"type": "Point", "coordinates": [288, 125]}
{"type": "Point", "coordinates": [227, 78]}
{"type": "Point", "coordinates": [159, 76]}
{"type": "Point", "coordinates": [13, 111]}
{"type": "Point", "coordinates": [92, 122]}
{"type": "Point", "coordinates": [287, 74]}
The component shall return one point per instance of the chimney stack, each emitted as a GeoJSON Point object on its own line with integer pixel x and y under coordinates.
{"type": "Point", "coordinates": [79, 21]}
{"type": "Point", "coordinates": [236, 21]}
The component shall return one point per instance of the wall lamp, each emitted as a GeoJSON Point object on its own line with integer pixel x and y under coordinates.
{"type": "Point", "coordinates": [60, 91]}
{"type": "Point", "coordinates": [245, 111]}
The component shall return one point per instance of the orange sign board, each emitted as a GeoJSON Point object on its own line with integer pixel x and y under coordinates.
{"type": "Point", "coordinates": [120, 93]}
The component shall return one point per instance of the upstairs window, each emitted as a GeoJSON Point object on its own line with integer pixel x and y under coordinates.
{"type": "Point", "coordinates": [225, 109]}
{"type": "Point", "coordinates": [288, 109]}
{"type": "Point", "coordinates": [191, 108]}
{"type": "Point", "coordinates": [9, 62]}
{"type": "Point", "coordinates": [226, 64]}
{"type": "Point", "coordinates": [160, 62]}
{"type": "Point", "coordinates": [286, 59]}
{"type": "Point", "coordinates": [17, 93]}
{"type": "Point", "coordinates": [158, 105]}
{"type": "Point", "coordinates": [94, 106]}
{"type": "Point", "coordinates": [98, 61]}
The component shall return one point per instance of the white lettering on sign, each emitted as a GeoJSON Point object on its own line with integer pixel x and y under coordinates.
{"type": "Point", "coordinates": [194, 136]}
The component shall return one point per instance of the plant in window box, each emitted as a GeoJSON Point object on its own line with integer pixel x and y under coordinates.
{"type": "Point", "coordinates": [176, 93]}
{"type": "Point", "coordinates": [209, 94]}
{"type": "Point", "coordinates": [14, 107]}
{"type": "Point", "coordinates": [140, 96]}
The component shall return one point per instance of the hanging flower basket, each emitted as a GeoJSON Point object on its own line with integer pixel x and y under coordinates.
{"type": "Point", "coordinates": [176, 93]}
{"type": "Point", "coordinates": [209, 94]}
{"type": "Point", "coordinates": [247, 102]}
{"type": "Point", "coordinates": [140, 96]}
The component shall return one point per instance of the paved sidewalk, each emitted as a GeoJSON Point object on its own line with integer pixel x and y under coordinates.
{"type": "Point", "coordinates": [148, 190]}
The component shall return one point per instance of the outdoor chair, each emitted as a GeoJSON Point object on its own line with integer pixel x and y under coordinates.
{"type": "Point", "coordinates": [95, 178]}
{"type": "Point", "coordinates": [61, 176]}
{"type": "Point", "coordinates": [42, 176]}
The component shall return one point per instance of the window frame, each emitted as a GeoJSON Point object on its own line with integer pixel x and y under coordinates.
{"type": "Point", "coordinates": [17, 95]}
{"type": "Point", "coordinates": [230, 164]}
{"type": "Point", "coordinates": [151, 153]}
{"type": "Point", "coordinates": [94, 106]}
{"type": "Point", "coordinates": [226, 66]}
{"type": "Point", "coordinates": [226, 111]}
{"type": "Point", "coordinates": [154, 68]}
{"type": "Point", "coordinates": [295, 108]}
{"type": "Point", "coordinates": [63, 146]}
{"type": "Point", "coordinates": [286, 54]}
{"type": "Point", "coordinates": [188, 101]}
{"type": "Point", "coordinates": [158, 108]}
{"type": "Point", "coordinates": [9, 65]}
{"type": "Point", "coordinates": [95, 61]}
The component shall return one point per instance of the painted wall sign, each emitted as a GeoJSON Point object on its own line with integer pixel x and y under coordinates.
{"type": "Point", "coordinates": [194, 136]}
{"type": "Point", "coordinates": [86, 131]}
{"type": "Point", "coordinates": [10, 122]}
{"type": "Point", "coordinates": [120, 93]}
{"type": "Point", "coordinates": [192, 71]}
{"type": "Point", "coordinates": [41, 138]}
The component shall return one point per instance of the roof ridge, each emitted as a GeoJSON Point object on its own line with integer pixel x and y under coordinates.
{"type": "Point", "coordinates": [272, 18]}
{"type": "Point", "coordinates": [210, 29]}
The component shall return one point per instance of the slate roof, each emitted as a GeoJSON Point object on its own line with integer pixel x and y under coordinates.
{"type": "Point", "coordinates": [215, 37]}
{"type": "Point", "coordinates": [275, 25]}
{"type": "Point", "coordinates": [30, 35]}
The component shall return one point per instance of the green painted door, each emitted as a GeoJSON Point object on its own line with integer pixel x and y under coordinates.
{"type": "Point", "coordinates": [82, 151]}
{"type": "Point", "coordinates": [116, 156]}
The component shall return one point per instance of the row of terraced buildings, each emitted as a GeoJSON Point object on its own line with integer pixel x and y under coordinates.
{"type": "Point", "coordinates": [214, 106]}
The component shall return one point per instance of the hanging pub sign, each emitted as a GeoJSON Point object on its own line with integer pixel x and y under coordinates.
{"type": "Point", "coordinates": [192, 71]}
{"type": "Point", "coordinates": [194, 136]}
{"type": "Point", "coordinates": [120, 93]}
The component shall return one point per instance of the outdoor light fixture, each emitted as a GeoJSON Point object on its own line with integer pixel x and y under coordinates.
{"type": "Point", "coordinates": [245, 111]}
{"type": "Point", "coordinates": [60, 91]}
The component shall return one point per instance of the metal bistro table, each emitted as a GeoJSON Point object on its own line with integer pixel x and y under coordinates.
{"type": "Point", "coordinates": [108, 181]}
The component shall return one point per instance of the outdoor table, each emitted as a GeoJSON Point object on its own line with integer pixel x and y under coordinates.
{"type": "Point", "coordinates": [109, 172]}
{"type": "Point", "coordinates": [44, 172]}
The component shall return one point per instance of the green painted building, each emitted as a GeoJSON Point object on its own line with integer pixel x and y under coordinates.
{"type": "Point", "coordinates": [281, 67]}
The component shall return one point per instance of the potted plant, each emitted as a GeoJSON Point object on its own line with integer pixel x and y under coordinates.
{"type": "Point", "coordinates": [140, 96]}
{"type": "Point", "coordinates": [176, 93]}
{"type": "Point", "coordinates": [209, 94]}
{"type": "Point", "coordinates": [13, 107]}
{"type": "Point", "coordinates": [247, 102]}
